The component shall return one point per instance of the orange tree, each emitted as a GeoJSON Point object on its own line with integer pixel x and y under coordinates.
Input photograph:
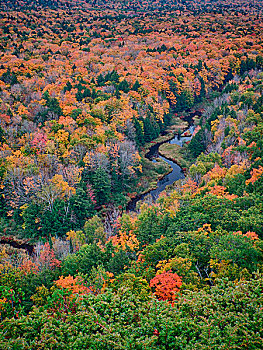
{"type": "Point", "coordinates": [166, 285]}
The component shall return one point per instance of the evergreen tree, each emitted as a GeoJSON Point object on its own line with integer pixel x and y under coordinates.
{"type": "Point", "coordinates": [100, 80]}
{"type": "Point", "coordinates": [68, 86]}
{"type": "Point", "coordinates": [259, 62]}
{"type": "Point", "coordinates": [149, 132]}
{"type": "Point", "coordinates": [114, 76]}
{"type": "Point", "coordinates": [9, 77]}
{"type": "Point", "coordinates": [136, 86]}
{"type": "Point", "coordinates": [102, 186]}
{"type": "Point", "coordinates": [124, 86]}
{"type": "Point", "coordinates": [156, 128]}
{"type": "Point", "coordinates": [83, 206]}
{"type": "Point", "coordinates": [202, 91]}
{"type": "Point", "coordinates": [52, 104]}
{"type": "Point", "coordinates": [197, 144]}
{"type": "Point", "coordinates": [117, 93]}
{"type": "Point", "coordinates": [139, 138]}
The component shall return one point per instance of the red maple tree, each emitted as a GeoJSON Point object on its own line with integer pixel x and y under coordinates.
{"type": "Point", "coordinates": [166, 285]}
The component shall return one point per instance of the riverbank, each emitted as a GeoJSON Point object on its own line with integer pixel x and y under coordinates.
{"type": "Point", "coordinates": [176, 154]}
{"type": "Point", "coordinates": [155, 171]}
{"type": "Point", "coordinates": [159, 171]}
{"type": "Point", "coordinates": [178, 125]}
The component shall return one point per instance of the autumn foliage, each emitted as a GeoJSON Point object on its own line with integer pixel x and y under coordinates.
{"type": "Point", "coordinates": [166, 285]}
{"type": "Point", "coordinates": [75, 285]}
{"type": "Point", "coordinates": [89, 259]}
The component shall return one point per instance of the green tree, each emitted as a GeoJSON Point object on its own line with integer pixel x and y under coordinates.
{"type": "Point", "coordinates": [124, 86]}
{"type": "Point", "coordinates": [89, 255]}
{"type": "Point", "coordinates": [139, 138]}
{"type": "Point", "coordinates": [102, 186]}
{"type": "Point", "coordinates": [94, 230]}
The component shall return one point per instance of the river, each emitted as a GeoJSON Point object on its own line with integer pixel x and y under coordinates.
{"type": "Point", "coordinates": [176, 173]}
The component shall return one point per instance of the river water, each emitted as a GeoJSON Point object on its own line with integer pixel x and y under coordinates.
{"type": "Point", "coordinates": [176, 173]}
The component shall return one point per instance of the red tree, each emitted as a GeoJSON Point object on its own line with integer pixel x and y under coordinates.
{"type": "Point", "coordinates": [166, 285]}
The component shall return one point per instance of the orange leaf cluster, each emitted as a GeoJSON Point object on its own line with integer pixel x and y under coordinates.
{"type": "Point", "coordinates": [255, 175]}
{"type": "Point", "coordinates": [166, 285]}
{"type": "Point", "coordinates": [75, 285]}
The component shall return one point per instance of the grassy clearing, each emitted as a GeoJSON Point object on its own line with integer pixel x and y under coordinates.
{"type": "Point", "coordinates": [174, 153]}
{"type": "Point", "coordinates": [178, 125]}
{"type": "Point", "coordinates": [152, 173]}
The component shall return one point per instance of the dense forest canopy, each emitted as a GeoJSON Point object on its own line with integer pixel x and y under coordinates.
{"type": "Point", "coordinates": [87, 88]}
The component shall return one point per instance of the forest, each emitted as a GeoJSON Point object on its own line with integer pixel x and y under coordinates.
{"type": "Point", "coordinates": [95, 98]}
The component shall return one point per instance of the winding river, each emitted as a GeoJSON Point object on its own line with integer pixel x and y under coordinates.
{"type": "Point", "coordinates": [176, 172]}
{"type": "Point", "coordinates": [153, 154]}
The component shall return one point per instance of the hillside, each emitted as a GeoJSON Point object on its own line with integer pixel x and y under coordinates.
{"type": "Point", "coordinates": [91, 94]}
